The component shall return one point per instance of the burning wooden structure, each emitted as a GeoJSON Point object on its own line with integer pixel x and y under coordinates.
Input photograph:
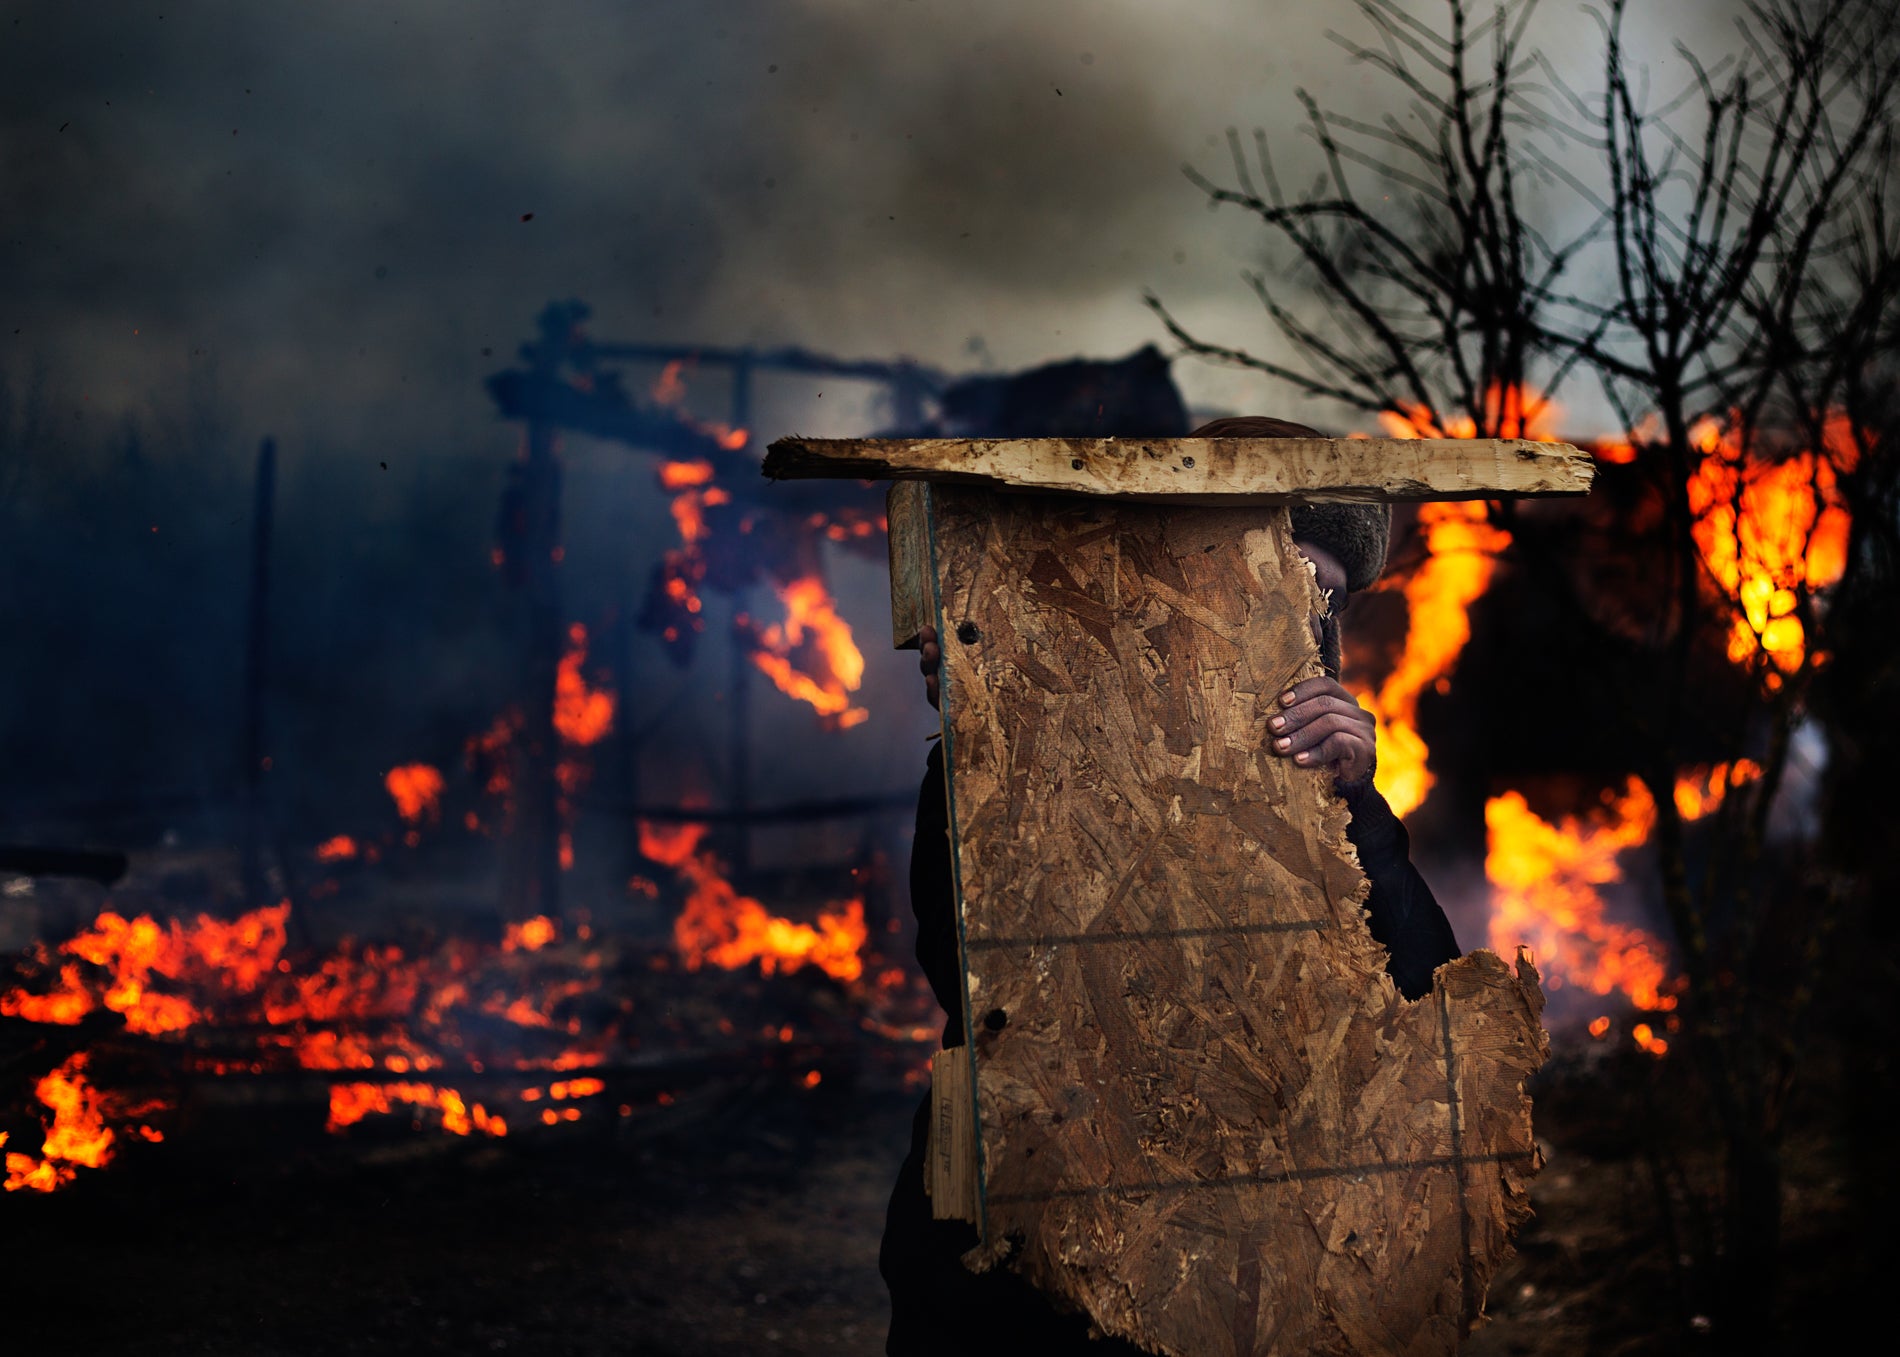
{"type": "Point", "coordinates": [1199, 1111]}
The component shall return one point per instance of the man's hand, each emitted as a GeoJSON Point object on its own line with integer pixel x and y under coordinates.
{"type": "Point", "coordinates": [1320, 725]}
{"type": "Point", "coordinates": [929, 658]}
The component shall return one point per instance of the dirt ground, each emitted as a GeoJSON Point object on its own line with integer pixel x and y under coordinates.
{"type": "Point", "coordinates": [739, 1220]}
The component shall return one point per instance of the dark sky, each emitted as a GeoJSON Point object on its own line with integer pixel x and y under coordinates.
{"type": "Point", "coordinates": [326, 203]}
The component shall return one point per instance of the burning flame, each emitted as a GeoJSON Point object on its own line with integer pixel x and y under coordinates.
{"type": "Point", "coordinates": [530, 935]}
{"type": "Point", "coordinates": [729, 930]}
{"type": "Point", "coordinates": [1461, 547]}
{"type": "Point", "coordinates": [582, 715]}
{"type": "Point", "coordinates": [342, 848]}
{"type": "Point", "coordinates": [1546, 880]}
{"type": "Point", "coordinates": [1512, 411]}
{"type": "Point", "coordinates": [1461, 550]}
{"type": "Point", "coordinates": [694, 493]}
{"type": "Point", "coordinates": [669, 390]}
{"type": "Point", "coordinates": [416, 789]}
{"type": "Point", "coordinates": [76, 1136]}
{"type": "Point", "coordinates": [358, 1008]}
{"type": "Point", "coordinates": [811, 656]}
{"type": "Point", "coordinates": [350, 1103]}
{"type": "Point", "coordinates": [1769, 533]}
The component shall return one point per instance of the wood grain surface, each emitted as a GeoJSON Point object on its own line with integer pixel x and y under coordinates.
{"type": "Point", "coordinates": [1206, 1118]}
{"type": "Point", "coordinates": [1215, 471]}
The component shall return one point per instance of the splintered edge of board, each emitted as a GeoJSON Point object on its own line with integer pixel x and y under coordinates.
{"type": "Point", "coordinates": [1209, 470]}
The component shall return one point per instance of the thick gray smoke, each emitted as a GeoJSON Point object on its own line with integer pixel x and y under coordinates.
{"type": "Point", "coordinates": [329, 222]}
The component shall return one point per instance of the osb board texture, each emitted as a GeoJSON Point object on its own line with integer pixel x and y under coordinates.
{"type": "Point", "coordinates": [1207, 1119]}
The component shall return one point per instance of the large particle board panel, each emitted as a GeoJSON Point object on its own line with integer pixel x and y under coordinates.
{"type": "Point", "coordinates": [1205, 1117]}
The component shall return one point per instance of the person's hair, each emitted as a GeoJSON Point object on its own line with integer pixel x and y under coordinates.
{"type": "Point", "coordinates": [1254, 426]}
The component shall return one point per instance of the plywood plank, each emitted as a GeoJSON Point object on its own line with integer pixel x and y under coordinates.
{"type": "Point", "coordinates": [1206, 470]}
{"type": "Point", "coordinates": [906, 512]}
{"type": "Point", "coordinates": [1205, 1116]}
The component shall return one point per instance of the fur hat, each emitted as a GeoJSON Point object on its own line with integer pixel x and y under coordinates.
{"type": "Point", "coordinates": [1358, 534]}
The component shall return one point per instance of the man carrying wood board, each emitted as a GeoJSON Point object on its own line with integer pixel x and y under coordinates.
{"type": "Point", "coordinates": [937, 1304]}
{"type": "Point", "coordinates": [1191, 1097]}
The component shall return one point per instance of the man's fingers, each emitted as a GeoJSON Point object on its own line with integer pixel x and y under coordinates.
{"type": "Point", "coordinates": [1312, 709]}
{"type": "Point", "coordinates": [1317, 732]}
{"type": "Point", "coordinates": [1320, 685]}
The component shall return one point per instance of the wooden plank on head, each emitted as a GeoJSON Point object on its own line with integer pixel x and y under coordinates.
{"type": "Point", "coordinates": [907, 512]}
{"type": "Point", "coordinates": [1205, 1117]}
{"type": "Point", "coordinates": [1206, 470]}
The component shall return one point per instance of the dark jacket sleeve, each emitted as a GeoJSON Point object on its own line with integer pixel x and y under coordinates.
{"type": "Point", "coordinates": [1404, 916]}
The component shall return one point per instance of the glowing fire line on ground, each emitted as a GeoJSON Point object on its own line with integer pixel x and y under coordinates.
{"type": "Point", "coordinates": [359, 1008]}
{"type": "Point", "coordinates": [721, 927]}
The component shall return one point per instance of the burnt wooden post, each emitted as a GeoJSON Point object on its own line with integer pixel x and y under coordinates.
{"type": "Point", "coordinates": [256, 660]}
{"type": "Point", "coordinates": [531, 881]}
{"type": "Point", "coordinates": [1190, 1102]}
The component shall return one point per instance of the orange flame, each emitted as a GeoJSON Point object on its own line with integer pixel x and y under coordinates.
{"type": "Point", "coordinates": [1545, 881]}
{"type": "Point", "coordinates": [1769, 533]}
{"type": "Point", "coordinates": [669, 390]}
{"type": "Point", "coordinates": [228, 957]}
{"type": "Point", "coordinates": [338, 849]}
{"type": "Point", "coordinates": [1545, 889]}
{"type": "Point", "coordinates": [582, 715]}
{"type": "Point", "coordinates": [812, 656]}
{"type": "Point", "coordinates": [1512, 411]}
{"type": "Point", "coordinates": [729, 930]}
{"type": "Point", "coordinates": [1461, 549]}
{"type": "Point", "coordinates": [77, 1136]}
{"type": "Point", "coordinates": [416, 789]}
{"type": "Point", "coordinates": [530, 935]}
{"type": "Point", "coordinates": [350, 1103]}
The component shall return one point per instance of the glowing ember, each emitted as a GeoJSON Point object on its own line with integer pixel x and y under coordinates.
{"type": "Point", "coordinates": [350, 1103]}
{"type": "Point", "coordinates": [811, 656]}
{"type": "Point", "coordinates": [669, 390]}
{"type": "Point", "coordinates": [416, 789]}
{"type": "Point", "coordinates": [65, 1005]}
{"type": "Point", "coordinates": [1644, 1036]}
{"type": "Point", "coordinates": [721, 927]}
{"type": "Point", "coordinates": [530, 935]}
{"type": "Point", "coordinates": [342, 848]}
{"type": "Point", "coordinates": [1697, 794]}
{"type": "Point", "coordinates": [582, 715]}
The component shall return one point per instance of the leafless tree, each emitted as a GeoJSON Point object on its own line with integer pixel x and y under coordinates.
{"type": "Point", "coordinates": [1732, 282]}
